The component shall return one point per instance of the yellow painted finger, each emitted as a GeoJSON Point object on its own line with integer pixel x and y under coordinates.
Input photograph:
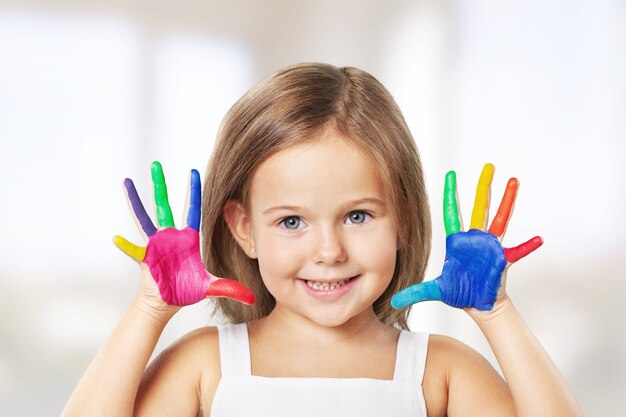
{"type": "Point", "coordinates": [480, 213]}
{"type": "Point", "coordinates": [138, 253]}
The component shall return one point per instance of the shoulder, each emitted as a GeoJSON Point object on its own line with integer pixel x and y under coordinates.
{"type": "Point", "coordinates": [448, 353]}
{"type": "Point", "coordinates": [457, 374]}
{"type": "Point", "coordinates": [183, 377]}
{"type": "Point", "coordinates": [202, 343]}
{"type": "Point", "coordinates": [194, 354]}
{"type": "Point", "coordinates": [441, 350]}
{"type": "Point", "coordinates": [201, 349]}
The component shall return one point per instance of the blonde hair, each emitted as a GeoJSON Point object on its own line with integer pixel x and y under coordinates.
{"type": "Point", "coordinates": [297, 104]}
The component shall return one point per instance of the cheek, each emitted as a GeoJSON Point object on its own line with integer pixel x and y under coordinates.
{"type": "Point", "coordinates": [383, 262]}
{"type": "Point", "coordinates": [277, 259]}
{"type": "Point", "coordinates": [378, 250]}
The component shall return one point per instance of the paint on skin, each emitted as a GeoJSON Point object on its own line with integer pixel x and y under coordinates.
{"type": "Point", "coordinates": [451, 218]}
{"type": "Point", "coordinates": [222, 287]}
{"type": "Point", "coordinates": [138, 208]}
{"type": "Point", "coordinates": [426, 291]}
{"type": "Point", "coordinates": [513, 255]}
{"type": "Point", "coordinates": [173, 255]}
{"type": "Point", "coordinates": [163, 210]}
{"type": "Point", "coordinates": [471, 276]}
{"type": "Point", "coordinates": [481, 200]}
{"type": "Point", "coordinates": [130, 249]}
{"type": "Point", "coordinates": [472, 271]}
{"type": "Point", "coordinates": [195, 201]}
{"type": "Point", "coordinates": [475, 260]}
{"type": "Point", "coordinates": [499, 222]}
{"type": "Point", "coordinates": [174, 261]}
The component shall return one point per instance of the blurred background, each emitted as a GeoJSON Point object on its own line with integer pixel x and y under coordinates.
{"type": "Point", "coordinates": [92, 91]}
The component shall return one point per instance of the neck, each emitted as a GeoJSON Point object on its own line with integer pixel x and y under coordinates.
{"type": "Point", "coordinates": [363, 326]}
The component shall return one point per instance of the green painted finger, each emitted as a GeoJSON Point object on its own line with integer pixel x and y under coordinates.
{"type": "Point", "coordinates": [451, 218]}
{"type": "Point", "coordinates": [163, 210]}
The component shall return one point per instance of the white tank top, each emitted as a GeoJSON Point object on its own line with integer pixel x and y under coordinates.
{"type": "Point", "coordinates": [241, 394]}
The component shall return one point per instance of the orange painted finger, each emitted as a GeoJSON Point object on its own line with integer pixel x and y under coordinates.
{"type": "Point", "coordinates": [501, 220]}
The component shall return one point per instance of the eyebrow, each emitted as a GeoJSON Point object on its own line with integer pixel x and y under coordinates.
{"type": "Point", "coordinates": [370, 200]}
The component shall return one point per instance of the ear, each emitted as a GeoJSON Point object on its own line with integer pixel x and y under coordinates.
{"type": "Point", "coordinates": [238, 222]}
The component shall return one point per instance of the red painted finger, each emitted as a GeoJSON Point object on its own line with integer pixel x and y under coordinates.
{"type": "Point", "coordinates": [515, 254]}
{"type": "Point", "coordinates": [500, 221]}
{"type": "Point", "coordinates": [223, 287]}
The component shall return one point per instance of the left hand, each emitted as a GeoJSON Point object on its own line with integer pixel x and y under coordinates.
{"type": "Point", "coordinates": [473, 271]}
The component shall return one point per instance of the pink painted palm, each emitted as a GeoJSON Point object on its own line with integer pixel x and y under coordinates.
{"type": "Point", "coordinates": [172, 255]}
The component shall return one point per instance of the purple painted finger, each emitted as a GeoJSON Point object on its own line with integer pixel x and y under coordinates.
{"type": "Point", "coordinates": [138, 208]}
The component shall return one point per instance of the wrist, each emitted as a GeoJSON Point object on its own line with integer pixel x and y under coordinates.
{"type": "Point", "coordinates": [158, 312]}
{"type": "Point", "coordinates": [502, 309]}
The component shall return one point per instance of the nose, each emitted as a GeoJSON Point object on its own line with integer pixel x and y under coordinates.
{"type": "Point", "coordinates": [330, 248]}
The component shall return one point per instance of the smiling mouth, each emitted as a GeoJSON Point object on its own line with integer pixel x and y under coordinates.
{"type": "Point", "coordinates": [326, 286]}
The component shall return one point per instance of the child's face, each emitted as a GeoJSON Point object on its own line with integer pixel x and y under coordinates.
{"type": "Point", "coordinates": [319, 215]}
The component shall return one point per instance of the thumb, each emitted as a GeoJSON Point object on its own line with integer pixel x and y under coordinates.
{"type": "Point", "coordinates": [138, 253]}
{"type": "Point", "coordinates": [426, 291]}
{"type": "Point", "coordinates": [224, 287]}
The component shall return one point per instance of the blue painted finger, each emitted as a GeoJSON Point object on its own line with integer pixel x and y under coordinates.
{"type": "Point", "coordinates": [195, 198]}
{"type": "Point", "coordinates": [426, 291]}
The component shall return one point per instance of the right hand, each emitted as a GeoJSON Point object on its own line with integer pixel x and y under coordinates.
{"type": "Point", "coordinates": [172, 257]}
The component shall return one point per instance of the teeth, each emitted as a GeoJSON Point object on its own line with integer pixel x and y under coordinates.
{"type": "Point", "coordinates": [325, 286]}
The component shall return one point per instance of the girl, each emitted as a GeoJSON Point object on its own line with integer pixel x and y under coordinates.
{"type": "Point", "coordinates": [314, 200]}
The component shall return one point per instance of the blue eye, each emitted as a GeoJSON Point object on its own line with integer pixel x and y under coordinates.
{"type": "Point", "coordinates": [291, 223]}
{"type": "Point", "coordinates": [358, 217]}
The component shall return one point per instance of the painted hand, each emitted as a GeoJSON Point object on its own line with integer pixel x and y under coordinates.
{"type": "Point", "coordinates": [475, 260]}
{"type": "Point", "coordinates": [172, 255]}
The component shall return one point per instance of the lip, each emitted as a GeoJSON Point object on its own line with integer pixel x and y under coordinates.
{"type": "Point", "coordinates": [329, 295]}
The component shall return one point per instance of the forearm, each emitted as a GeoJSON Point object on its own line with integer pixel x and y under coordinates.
{"type": "Point", "coordinates": [536, 385]}
{"type": "Point", "coordinates": [111, 381]}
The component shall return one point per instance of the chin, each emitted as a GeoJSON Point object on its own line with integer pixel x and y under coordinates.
{"type": "Point", "coordinates": [329, 321]}
{"type": "Point", "coordinates": [332, 318]}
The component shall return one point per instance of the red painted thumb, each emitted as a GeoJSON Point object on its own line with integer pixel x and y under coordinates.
{"type": "Point", "coordinates": [223, 287]}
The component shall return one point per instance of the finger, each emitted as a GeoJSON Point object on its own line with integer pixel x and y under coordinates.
{"type": "Point", "coordinates": [451, 218]}
{"type": "Point", "coordinates": [426, 291]}
{"type": "Point", "coordinates": [229, 288]}
{"type": "Point", "coordinates": [480, 213]}
{"type": "Point", "coordinates": [164, 212]}
{"type": "Point", "coordinates": [138, 253]}
{"type": "Point", "coordinates": [515, 254]}
{"type": "Point", "coordinates": [195, 196]}
{"type": "Point", "coordinates": [138, 209]}
{"type": "Point", "coordinates": [501, 220]}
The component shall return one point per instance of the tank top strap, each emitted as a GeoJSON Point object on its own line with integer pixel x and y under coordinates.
{"type": "Point", "coordinates": [411, 357]}
{"type": "Point", "coordinates": [234, 349]}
